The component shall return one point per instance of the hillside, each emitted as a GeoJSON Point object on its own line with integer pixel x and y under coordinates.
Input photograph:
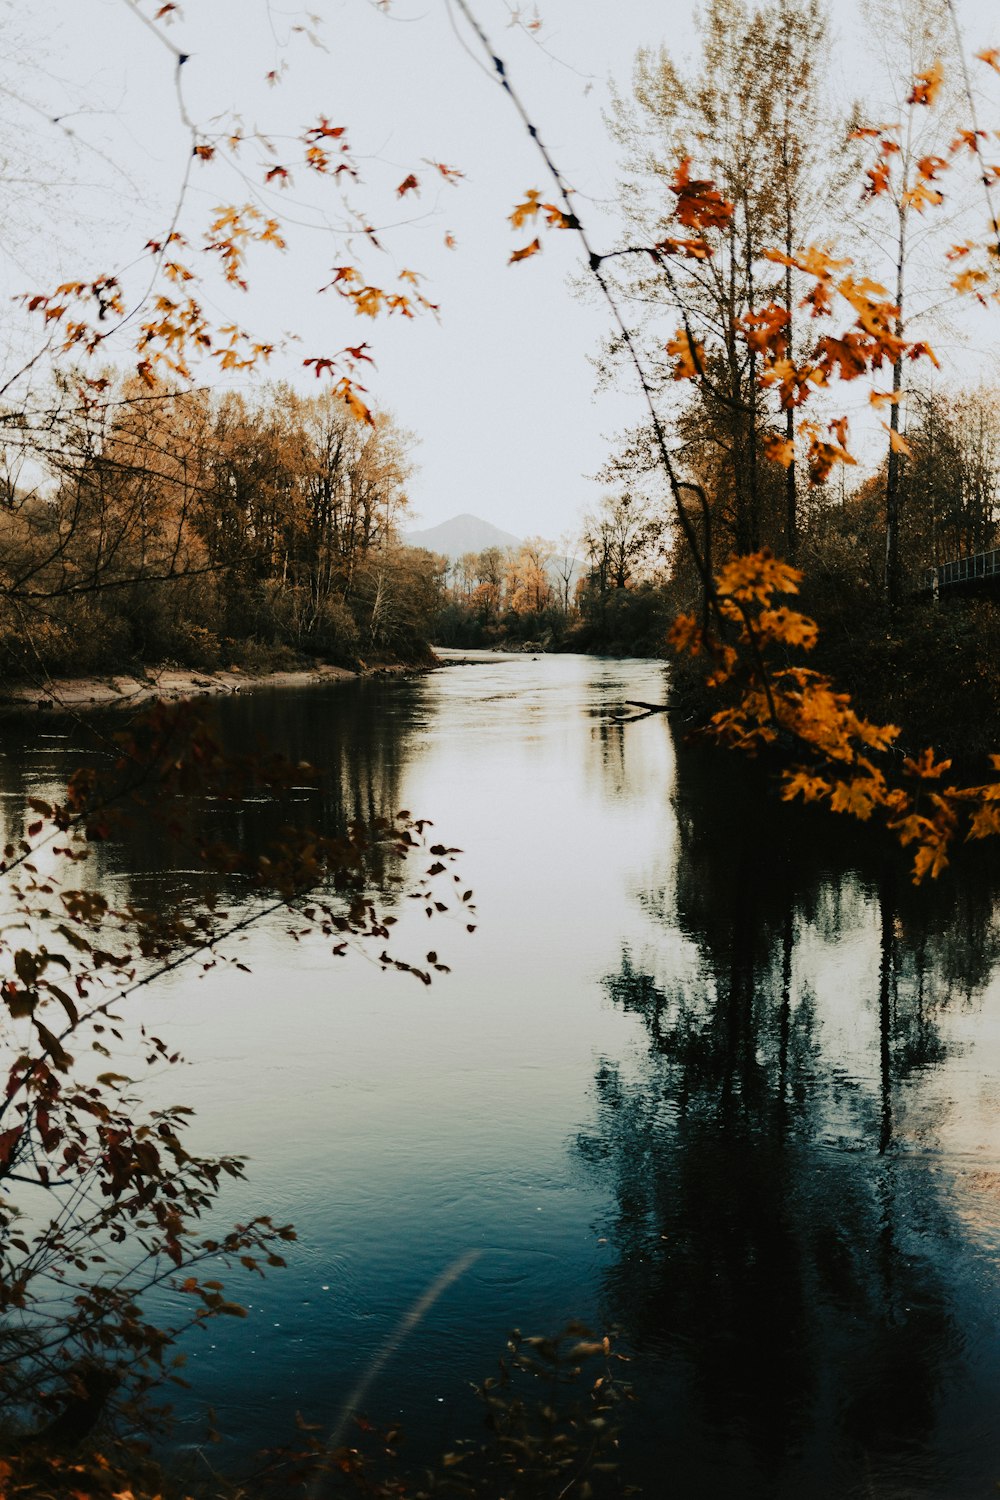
{"type": "Point", "coordinates": [461, 534]}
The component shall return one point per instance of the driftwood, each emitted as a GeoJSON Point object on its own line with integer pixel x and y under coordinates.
{"type": "Point", "coordinates": [652, 708]}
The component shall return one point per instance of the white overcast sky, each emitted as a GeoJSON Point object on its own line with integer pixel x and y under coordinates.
{"type": "Point", "coordinates": [499, 389]}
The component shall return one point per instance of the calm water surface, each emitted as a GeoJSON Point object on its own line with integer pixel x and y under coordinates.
{"type": "Point", "coordinates": [707, 1073]}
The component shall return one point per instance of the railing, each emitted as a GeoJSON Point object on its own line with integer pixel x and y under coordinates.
{"type": "Point", "coordinates": [965, 569]}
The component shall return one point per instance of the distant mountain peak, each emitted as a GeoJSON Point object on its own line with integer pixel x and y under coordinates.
{"type": "Point", "coordinates": [461, 534]}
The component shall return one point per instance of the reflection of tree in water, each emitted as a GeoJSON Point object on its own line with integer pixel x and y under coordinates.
{"type": "Point", "coordinates": [776, 1252]}
{"type": "Point", "coordinates": [355, 735]}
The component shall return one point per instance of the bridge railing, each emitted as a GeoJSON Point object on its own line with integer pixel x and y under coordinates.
{"type": "Point", "coordinates": [966, 569]}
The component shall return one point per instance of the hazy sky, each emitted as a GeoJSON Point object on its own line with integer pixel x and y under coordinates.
{"type": "Point", "coordinates": [499, 389]}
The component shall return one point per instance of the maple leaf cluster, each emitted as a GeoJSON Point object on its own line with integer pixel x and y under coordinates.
{"type": "Point", "coordinates": [841, 759]}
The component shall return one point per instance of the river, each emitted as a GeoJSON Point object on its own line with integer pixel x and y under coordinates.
{"type": "Point", "coordinates": [708, 1074]}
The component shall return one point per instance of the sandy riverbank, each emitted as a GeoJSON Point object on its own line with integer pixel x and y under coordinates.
{"type": "Point", "coordinates": [166, 683]}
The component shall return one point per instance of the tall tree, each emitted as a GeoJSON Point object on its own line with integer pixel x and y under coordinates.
{"type": "Point", "coordinates": [915, 40]}
{"type": "Point", "coordinates": [751, 117]}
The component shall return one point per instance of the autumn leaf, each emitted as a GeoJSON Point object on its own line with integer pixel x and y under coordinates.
{"type": "Point", "coordinates": [990, 56]}
{"type": "Point", "coordinates": [970, 281]}
{"type": "Point", "coordinates": [450, 174]}
{"type": "Point", "coordinates": [555, 218]}
{"type": "Point", "coordinates": [8, 1140]}
{"type": "Point", "coordinates": [898, 443]}
{"type": "Point", "coordinates": [927, 85]}
{"type": "Point", "coordinates": [922, 196]}
{"type": "Point", "coordinates": [685, 635]}
{"type": "Point", "coordinates": [802, 784]}
{"type": "Point", "coordinates": [859, 797]}
{"type": "Point", "coordinates": [925, 766]}
{"type": "Point", "coordinates": [688, 355]}
{"type": "Point", "coordinates": [700, 205]}
{"type": "Point", "coordinates": [789, 627]}
{"type": "Point", "coordinates": [692, 249]}
{"type": "Point", "coordinates": [779, 450]}
{"type": "Point", "coordinates": [526, 210]}
{"type": "Point", "coordinates": [929, 859]}
{"type": "Point", "coordinates": [325, 131]}
{"type": "Point", "coordinates": [526, 250]}
{"type": "Point", "coordinates": [756, 576]}
{"type": "Point", "coordinates": [409, 184]}
{"type": "Point", "coordinates": [765, 329]}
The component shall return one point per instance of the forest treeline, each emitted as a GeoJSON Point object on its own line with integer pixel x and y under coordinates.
{"type": "Point", "coordinates": [209, 530]}
{"type": "Point", "coordinates": [625, 577]}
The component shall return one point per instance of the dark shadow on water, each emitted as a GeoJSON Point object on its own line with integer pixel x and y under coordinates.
{"type": "Point", "coordinates": [799, 1293]}
{"type": "Point", "coordinates": [355, 736]}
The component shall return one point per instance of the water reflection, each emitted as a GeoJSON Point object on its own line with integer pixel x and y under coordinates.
{"type": "Point", "coordinates": [707, 1067]}
{"type": "Point", "coordinates": [787, 1260]}
{"type": "Point", "coordinates": [356, 739]}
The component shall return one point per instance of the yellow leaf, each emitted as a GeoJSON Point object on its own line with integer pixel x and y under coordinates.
{"type": "Point", "coordinates": [898, 443]}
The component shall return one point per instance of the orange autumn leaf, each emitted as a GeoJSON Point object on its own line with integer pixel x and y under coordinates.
{"type": "Point", "coordinates": [927, 86]}
{"type": "Point", "coordinates": [800, 783]}
{"type": "Point", "coordinates": [779, 450]}
{"type": "Point", "coordinates": [921, 196]}
{"type": "Point", "coordinates": [685, 635]}
{"type": "Point", "coordinates": [789, 627]}
{"type": "Point", "coordinates": [970, 281]}
{"type": "Point", "coordinates": [858, 796]}
{"type": "Point", "coordinates": [700, 205]}
{"type": "Point", "coordinates": [688, 355]}
{"type": "Point", "coordinates": [450, 174]}
{"type": "Point", "coordinates": [526, 210]}
{"type": "Point", "coordinates": [526, 250]}
{"type": "Point", "coordinates": [925, 766]}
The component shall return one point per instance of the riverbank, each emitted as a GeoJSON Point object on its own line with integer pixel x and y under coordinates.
{"type": "Point", "coordinates": [171, 684]}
